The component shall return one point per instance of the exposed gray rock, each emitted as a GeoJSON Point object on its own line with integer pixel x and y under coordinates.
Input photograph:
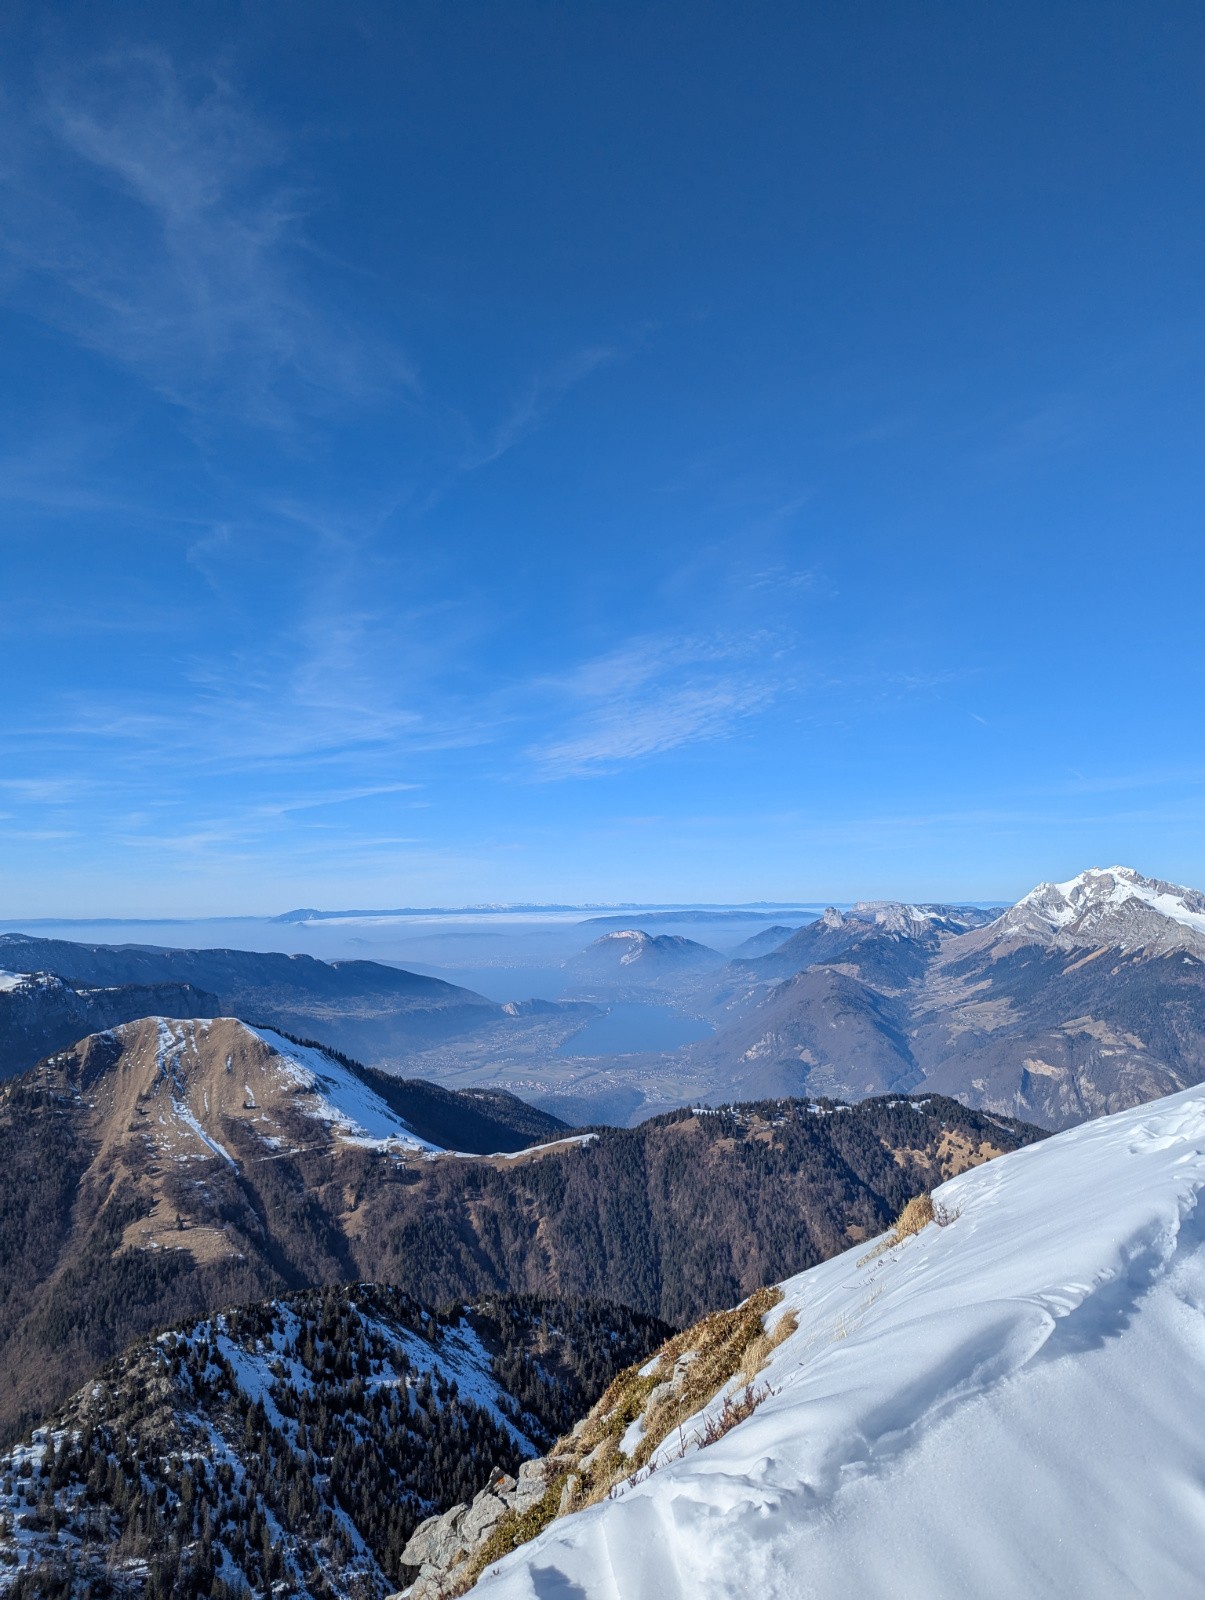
{"type": "Point", "coordinates": [486, 1510]}
{"type": "Point", "coordinates": [530, 1489]}
{"type": "Point", "coordinates": [533, 1472]}
{"type": "Point", "coordinates": [680, 1366]}
{"type": "Point", "coordinates": [659, 1392]}
{"type": "Point", "coordinates": [436, 1583]}
{"type": "Point", "coordinates": [437, 1541]}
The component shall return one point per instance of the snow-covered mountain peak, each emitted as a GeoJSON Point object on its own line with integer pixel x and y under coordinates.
{"type": "Point", "coordinates": [895, 916]}
{"type": "Point", "coordinates": [1110, 906]}
{"type": "Point", "coordinates": [1005, 1403]}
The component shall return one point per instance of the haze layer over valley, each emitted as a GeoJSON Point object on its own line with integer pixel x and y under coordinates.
{"type": "Point", "coordinates": [1084, 997]}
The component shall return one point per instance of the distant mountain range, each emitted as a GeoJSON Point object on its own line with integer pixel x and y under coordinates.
{"type": "Point", "coordinates": [1085, 997]}
{"type": "Point", "coordinates": [644, 918]}
{"type": "Point", "coordinates": [609, 915]}
{"type": "Point", "coordinates": [373, 1011]}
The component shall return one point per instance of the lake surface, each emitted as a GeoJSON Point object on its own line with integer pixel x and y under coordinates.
{"type": "Point", "coordinates": [629, 1028]}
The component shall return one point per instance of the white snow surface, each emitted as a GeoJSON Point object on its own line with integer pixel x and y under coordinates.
{"type": "Point", "coordinates": [338, 1097]}
{"type": "Point", "coordinates": [1006, 1406]}
{"type": "Point", "coordinates": [12, 980]}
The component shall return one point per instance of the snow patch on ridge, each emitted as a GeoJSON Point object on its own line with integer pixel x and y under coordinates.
{"type": "Point", "coordinates": [337, 1097]}
{"type": "Point", "coordinates": [168, 1061]}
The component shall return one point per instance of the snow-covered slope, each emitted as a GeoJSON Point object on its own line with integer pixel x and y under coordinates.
{"type": "Point", "coordinates": [1109, 906]}
{"type": "Point", "coordinates": [1008, 1405]}
{"type": "Point", "coordinates": [336, 1096]}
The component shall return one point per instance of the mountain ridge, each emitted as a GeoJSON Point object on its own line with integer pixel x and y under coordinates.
{"type": "Point", "coordinates": [364, 1008]}
{"type": "Point", "coordinates": [999, 1397]}
{"type": "Point", "coordinates": [139, 1188]}
{"type": "Point", "coordinates": [298, 1441]}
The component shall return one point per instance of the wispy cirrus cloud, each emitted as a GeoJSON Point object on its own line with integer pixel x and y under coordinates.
{"type": "Point", "coordinates": [149, 215]}
{"type": "Point", "coordinates": [542, 394]}
{"type": "Point", "coordinates": [658, 694]}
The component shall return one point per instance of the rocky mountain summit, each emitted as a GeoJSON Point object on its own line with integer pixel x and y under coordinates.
{"type": "Point", "coordinates": [631, 960]}
{"type": "Point", "coordinates": [1113, 907]}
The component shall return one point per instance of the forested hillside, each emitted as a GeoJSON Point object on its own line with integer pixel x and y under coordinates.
{"type": "Point", "coordinates": [296, 1443]}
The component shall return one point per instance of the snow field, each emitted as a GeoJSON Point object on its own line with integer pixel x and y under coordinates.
{"type": "Point", "coordinates": [1006, 1406]}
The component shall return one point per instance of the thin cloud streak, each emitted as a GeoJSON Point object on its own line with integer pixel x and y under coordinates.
{"type": "Point", "coordinates": [628, 733]}
{"type": "Point", "coordinates": [545, 392]}
{"type": "Point", "coordinates": [198, 289]}
{"type": "Point", "coordinates": [658, 694]}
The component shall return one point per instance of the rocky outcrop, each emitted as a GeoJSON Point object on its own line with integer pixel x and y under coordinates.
{"type": "Point", "coordinates": [441, 1550]}
{"type": "Point", "coordinates": [614, 1443]}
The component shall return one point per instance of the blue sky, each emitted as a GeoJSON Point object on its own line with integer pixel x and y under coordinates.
{"type": "Point", "coordinates": [475, 452]}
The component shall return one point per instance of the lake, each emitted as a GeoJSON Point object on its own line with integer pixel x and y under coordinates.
{"type": "Point", "coordinates": [630, 1028]}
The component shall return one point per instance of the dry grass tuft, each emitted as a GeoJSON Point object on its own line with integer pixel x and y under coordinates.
{"type": "Point", "coordinates": [757, 1353]}
{"type": "Point", "coordinates": [735, 1409]}
{"type": "Point", "coordinates": [917, 1214]}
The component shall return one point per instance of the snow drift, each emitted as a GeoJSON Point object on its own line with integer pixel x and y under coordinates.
{"type": "Point", "coordinates": [1005, 1405]}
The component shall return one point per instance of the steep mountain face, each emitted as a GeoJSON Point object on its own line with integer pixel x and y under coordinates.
{"type": "Point", "coordinates": [1062, 1035]}
{"type": "Point", "coordinates": [373, 1012]}
{"type": "Point", "coordinates": [822, 1032]}
{"type": "Point", "coordinates": [41, 1013]}
{"type": "Point", "coordinates": [298, 1442]}
{"type": "Point", "coordinates": [162, 1171]}
{"type": "Point", "coordinates": [1000, 1400]}
{"type": "Point", "coordinates": [164, 1168]}
{"type": "Point", "coordinates": [1084, 998]}
{"type": "Point", "coordinates": [630, 959]}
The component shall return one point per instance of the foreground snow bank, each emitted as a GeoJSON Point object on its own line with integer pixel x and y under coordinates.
{"type": "Point", "coordinates": [1008, 1405]}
